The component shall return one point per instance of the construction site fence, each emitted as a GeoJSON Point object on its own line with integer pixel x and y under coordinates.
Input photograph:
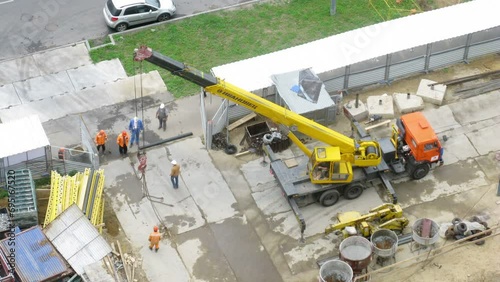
{"type": "Point", "coordinates": [74, 160]}
{"type": "Point", "coordinates": [385, 69]}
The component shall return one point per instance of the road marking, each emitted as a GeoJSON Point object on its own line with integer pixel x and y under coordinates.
{"type": "Point", "coordinates": [6, 1]}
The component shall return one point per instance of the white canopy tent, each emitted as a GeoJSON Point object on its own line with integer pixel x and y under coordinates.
{"type": "Point", "coordinates": [22, 140]}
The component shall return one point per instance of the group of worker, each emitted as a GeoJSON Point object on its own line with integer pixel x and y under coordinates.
{"type": "Point", "coordinates": [135, 127]}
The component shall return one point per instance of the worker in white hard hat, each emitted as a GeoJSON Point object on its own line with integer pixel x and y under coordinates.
{"type": "Point", "coordinates": [162, 115]}
{"type": "Point", "coordinates": [174, 174]}
{"type": "Point", "coordinates": [154, 239]}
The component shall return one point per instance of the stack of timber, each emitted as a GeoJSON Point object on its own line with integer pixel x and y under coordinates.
{"type": "Point", "coordinates": [83, 189]}
{"type": "Point", "coordinates": [478, 89]}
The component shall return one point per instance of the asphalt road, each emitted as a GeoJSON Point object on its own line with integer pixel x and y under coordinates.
{"type": "Point", "coordinates": [28, 26]}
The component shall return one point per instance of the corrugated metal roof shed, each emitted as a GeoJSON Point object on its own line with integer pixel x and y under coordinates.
{"type": "Point", "coordinates": [25, 134]}
{"type": "Point", "coordinates": [284, 83]}
{"type": "Point", "coordinates": [36, 259]}
{"type": "Point", "coordinates": [363, 44]}
{"type": "Point", "coordinates": [77, 239]}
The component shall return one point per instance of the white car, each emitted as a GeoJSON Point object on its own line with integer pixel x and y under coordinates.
{"type": "Point", "coordinates": [121, 14]}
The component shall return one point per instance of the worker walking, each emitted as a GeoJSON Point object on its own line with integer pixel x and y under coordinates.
{"type": "Point", "coordinates": [135, 126]}
{"type": "Point", "coordinates": [100, 141]}
{"type": "Point", "coordinates": [154, 239]}
{"type": "Point", "coordinates": [174, 174]}
{"type": "Point", "coordinates": [122, 142]}
{"type": "Point", "coordinates": [162, 116]}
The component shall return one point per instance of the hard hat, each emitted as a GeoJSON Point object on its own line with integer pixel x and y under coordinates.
{"type": "Point", "coordinates": [174, 162]}
{"type": "Point", "coordinates": [155, 229]}
{"type": "Point", "coordinates": [102, 131]}
{"type": "Point", "coordinates": [135, 118]}
{"type": "Point", "coordinates": [162, 106]}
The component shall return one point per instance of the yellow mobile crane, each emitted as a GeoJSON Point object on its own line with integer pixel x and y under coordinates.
{"type": "Point", "coordinates": [344, 167]}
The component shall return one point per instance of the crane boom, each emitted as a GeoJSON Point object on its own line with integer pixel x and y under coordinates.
{"type": "Point", "coordinates": [358, 153]}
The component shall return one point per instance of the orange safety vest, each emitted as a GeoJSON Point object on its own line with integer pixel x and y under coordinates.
{"type": "Point", "coordinates": [100, 139]}
{"type": "Point", "coordinates": [122, 141]}
{"type": "Point", "coordinates": [154, 237]}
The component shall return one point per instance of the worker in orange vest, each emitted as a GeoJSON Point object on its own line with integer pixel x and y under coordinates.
{"type": "Point", "coordinates": [154, 239]}
{"type": "Point", "coordinates": [122, 142]}
{"type": "Point", "coordinates": [100, 140]}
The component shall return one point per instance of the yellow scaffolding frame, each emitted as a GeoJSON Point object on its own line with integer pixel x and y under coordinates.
{"type": "Point", "coordinates": [67, 190]}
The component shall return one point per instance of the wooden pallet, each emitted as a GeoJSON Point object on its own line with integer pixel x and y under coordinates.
{"type": "Point", "coordinates": [241, 121]}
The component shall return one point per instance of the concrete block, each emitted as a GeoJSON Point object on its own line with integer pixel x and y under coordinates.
{"type": "Point", "coordinates": [18, 69]}
{"type": "Point", "coordinates": [407, 103]}
{"type": "Point", "coordinates": [9, 96]}
{"type": "Point", "coordinates": [380, 105]}
{"type": "Point", "coordinates": [360, 113]}
{"type": "Point", "coordinates": [476, 108]}
{"type": "Point", "coordinates": [88, 99]}
{"type": "Point", "coordinates": [64, 58]}
{"type": "Point", "coordinates": [431, 94]}
{"type": "Point", "coordinates": [42, 87]}
{"type": "Point", "coordinates": [442, 119]}
{"type": "Point", "coordinates": [97, 74]}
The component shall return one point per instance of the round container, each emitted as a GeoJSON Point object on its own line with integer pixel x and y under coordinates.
{"type": "Point", "coordinates": [418, 228]}
{"type": "Point", "coordinates": [357, 252]}
{"type": "Point", "coordinates": [335, 271]}
{"type": "Point", "coordinates": [385, 243]}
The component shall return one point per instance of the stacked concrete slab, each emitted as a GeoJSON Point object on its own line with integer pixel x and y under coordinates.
{"type": "Point", "coordinates": [407, 103]}
{"type": "Point", "coordinates": [431, 94]}
{"type": "Point", "coordinates": [64, 81]}
{"type": "Point", "coordinates": [380, 105]}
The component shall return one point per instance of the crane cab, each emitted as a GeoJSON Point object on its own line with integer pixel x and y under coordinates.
{"type": "Point", "coordinates": [326, 166]}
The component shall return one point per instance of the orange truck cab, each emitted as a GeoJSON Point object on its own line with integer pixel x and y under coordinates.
{"type": "Point", "coordinates": [418, 144]}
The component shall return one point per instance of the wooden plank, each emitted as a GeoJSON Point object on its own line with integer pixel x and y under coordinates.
{"type": "Point", "coordinates": [242, 153]}
{"type": "Point", "coordinates": [464, 79]}
{"type": "Point", "coordinates": [111, 267]}
{"type": "Point", "coordinates": [124, 263]}
{"type": "Point", "coordinates": [378, 124]}
{"type": "Point", "coordinates": [485, 89]}
{"type": "Point", "coordinates": [241, 121]}
{"type": "Point", "coordinates": [291, 163]}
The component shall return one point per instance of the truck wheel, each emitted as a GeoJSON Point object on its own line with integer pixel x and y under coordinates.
{"type": "Point", "coordinates": [419, 171]}
{"type": "Point", "coordinates": [329, 198]}
{"type": "Point", "coordinates": [353, 191]}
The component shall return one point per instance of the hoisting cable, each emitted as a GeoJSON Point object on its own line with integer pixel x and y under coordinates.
{"type": "Point", "coordinates": [143, 164]}
{"type": "Point", "coordinates": [142, 104]}
{"type": "Point", "coordinates": [135, 94]}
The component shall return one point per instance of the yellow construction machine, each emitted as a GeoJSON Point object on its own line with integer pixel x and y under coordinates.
{"type": "Point", "coordinates": [385, 216]}
{"type": "Point", "coordinates": [342, 165]}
